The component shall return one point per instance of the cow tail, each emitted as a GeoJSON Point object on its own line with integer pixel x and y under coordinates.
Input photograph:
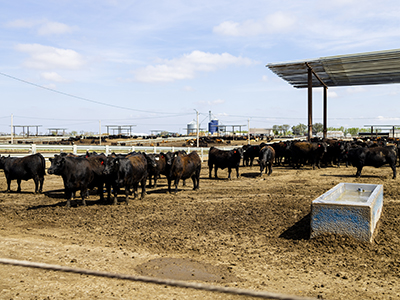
{"type": "Point", "coordinates": [43, 164]}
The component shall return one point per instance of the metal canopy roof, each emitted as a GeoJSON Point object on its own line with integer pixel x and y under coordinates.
{"type": "Point", "coordinates": [380, 67]}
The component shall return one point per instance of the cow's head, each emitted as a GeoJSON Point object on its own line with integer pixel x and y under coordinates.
{"type": "Point", "coordinates": [57, 165]}
{"type": "Point", "coordinates": [111, 165]}
{"type": "Point", "coordinates": [151, 160]}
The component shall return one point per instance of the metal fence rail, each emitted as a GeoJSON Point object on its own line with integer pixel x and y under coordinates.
{"type": "Point", "coordinates": [49, 150]}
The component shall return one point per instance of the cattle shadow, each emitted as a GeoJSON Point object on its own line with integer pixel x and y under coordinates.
{"type": "Point", "coordinates": [350, 176]}
{"type": "Point", "coordinates": [21, 192]}
{"type": "Point", "coordinates": [251, 174]}
{"type": "Point", "coordinates": [299, 231]}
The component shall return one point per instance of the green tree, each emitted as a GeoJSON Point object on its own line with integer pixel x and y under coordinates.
{"type": "Point", "coordinates": [285, 128]}
{"type": "Point", "coordinates": [299, 129]}
{"type": "Point", "coordinates": [317, 127]}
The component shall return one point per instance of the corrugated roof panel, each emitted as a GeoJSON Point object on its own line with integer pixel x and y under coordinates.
{"type": "Point", "coordinates": [381, 67]}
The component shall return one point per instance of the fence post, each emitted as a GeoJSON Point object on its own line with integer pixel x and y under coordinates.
{"type": "Point", "coordinates": [107, 150]}
{"type": "Point", "coordinates": [33, 148]}
{"type": "Point", "coordinates": [75, 149]}
{"type": "Point", "coordinates": [202, 153]}
{"type": "Point", "coordinates": [155, 151]}
{"type": "Point", "coordinates": [133, 149]}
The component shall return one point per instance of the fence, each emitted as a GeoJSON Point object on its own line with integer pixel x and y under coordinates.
{"type": "Point", "coordinates": [49, 150]}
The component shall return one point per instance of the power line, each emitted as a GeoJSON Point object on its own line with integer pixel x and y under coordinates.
{"type": "Point", "coordinates": [82, 98]}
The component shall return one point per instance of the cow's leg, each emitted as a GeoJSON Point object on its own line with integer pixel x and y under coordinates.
{"type": "Point", "coordinates": [8, 185]}
{"type": "Point", "coordinates": [108, 189]}
{"type": "Point", "coordinates": [269, 169]}
{"type": "Point", "coordinates": [127, 192]}
{"type": "Point", "coordinates": [194, 181]}
{"type": "Point", "coordinates": [176, 184]}
{"type": "Point", "coordinates": [36, 181]}
{"type": "Point", "coordinates": [237, 171]}
{"type": "Point", "coordinates": [169, 184]}
{"type": "Point", "coordinates": [216, 169]}
{"type": "Point", "coordinates": [68, 195]}
{"type": "Point", "coordinates": [210, 170]}
{"type": "Point", "coordinates": [115, 200]}
{"type": "Point", "coordinates": [261, 167]}
{"type": "Point", "coordinates": [41, 180]}
{"type": "Point", "coordinates": [393, 166]}
{"type": "Point", "coordinates": [19, 185]}
{"type": "Point", "coordinates": [359, 169]}
{"type": "Point", "coordinates": [135, 187]}
{"type": "Point", "coordinates": [229, 172]}
{"type": "Point", "coordinates": [143, 185]}
{"type": "Point", "coordinates": [84, 192]}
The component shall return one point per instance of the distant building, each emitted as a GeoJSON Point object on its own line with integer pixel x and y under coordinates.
{"type": "Point", "coordinates": [331, 134]}
{"type": "Point", "coordinates": [262, 131]}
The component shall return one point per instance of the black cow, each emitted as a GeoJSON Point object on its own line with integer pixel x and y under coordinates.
{"type": "Point", "coordinates": [266, 159]}
{"type": "Point", "coordinates": [127, 172]}
{"type": "Point", "coordinates": [224, 159]}
{"type": "Point", "coordinates": [282, 152]}
{"type": "Point", "coordinates": [24, 168]}
{"type": "Point", "coordinates": [159, 168]}
{"type": "Point", "coordinates": [184, 166]}
{"type": "Point", "coordinates": [97, 165]}
{"type": "Point", "coordinates": [374, 157]}
{"type": "Point", "coordinates": [76, 173]}
{"type": "Point", "coordinates": [250, 152]}
{"type": "Point", "coordinates": [312, 152]}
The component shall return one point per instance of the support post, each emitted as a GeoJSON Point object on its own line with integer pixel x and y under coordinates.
{"type": "Point", "coordinates": [325, 112]}
{"type": "Point", "coordinates": [309, 103]}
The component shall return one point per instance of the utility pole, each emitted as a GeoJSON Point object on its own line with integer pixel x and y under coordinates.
{"type": "Point", "coordinates": [197, 127]}
{"type": "Point", "coordinates": [100, 132]}
{"type": "Point", "coordinates": [248, 131]}
{"type": "Point", "coordinates": [12, 129]}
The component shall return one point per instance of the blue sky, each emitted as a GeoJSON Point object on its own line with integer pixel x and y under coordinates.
{"type": "Point", "coordinates": [153, 64]}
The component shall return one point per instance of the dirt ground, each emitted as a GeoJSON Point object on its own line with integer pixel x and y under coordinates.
{"type": "Point", "coordinates": [247, 233]}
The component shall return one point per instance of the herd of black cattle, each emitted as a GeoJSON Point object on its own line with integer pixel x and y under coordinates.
{"type": "Point", "coordinates": [116, 171]}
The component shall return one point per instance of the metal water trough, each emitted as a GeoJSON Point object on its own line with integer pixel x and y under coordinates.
{"type": "Point", "coordinates": [350, 209]}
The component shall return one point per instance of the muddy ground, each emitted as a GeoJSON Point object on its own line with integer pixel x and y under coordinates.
{"type": "Point", "coordinates": [248, 233]}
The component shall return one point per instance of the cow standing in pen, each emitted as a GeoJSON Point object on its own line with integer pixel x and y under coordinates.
{"type": "Point", "coordinates": [76, 173]}
{"type": "Point", "coordinates": [183, 166]}
{"type": "Point", "coordinates": [374, 157]}
{"type": "Point", "coordinates": [24, 168]}
{"type": "Point", "coordinates": [266, 159]}
{"type": "Point", "coordinates": [224, 159]}
{"type": "Point", "coordinates": [127, 172]}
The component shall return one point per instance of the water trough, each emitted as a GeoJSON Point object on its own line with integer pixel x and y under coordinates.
{"type": "Point", "coordinates": [350, 209]}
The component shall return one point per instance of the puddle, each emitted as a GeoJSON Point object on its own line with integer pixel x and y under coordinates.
{"type": "Point", "coordinates": [186, 269]}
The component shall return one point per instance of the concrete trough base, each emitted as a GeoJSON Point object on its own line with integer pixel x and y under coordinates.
{"type": "Point", "coordinates": [350, 209]}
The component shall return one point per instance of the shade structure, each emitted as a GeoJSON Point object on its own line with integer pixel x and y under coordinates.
{"type": "Point", "coordinates": [369, 68]}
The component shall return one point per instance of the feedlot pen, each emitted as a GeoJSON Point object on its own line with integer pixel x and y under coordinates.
{"type": "Point", "coordinates": [248, 233]}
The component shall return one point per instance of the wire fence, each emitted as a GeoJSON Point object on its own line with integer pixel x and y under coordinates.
{"type": "Point", "coordinates": [169, 282]}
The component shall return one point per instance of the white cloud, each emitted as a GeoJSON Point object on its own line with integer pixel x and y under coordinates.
{"type": "Point", "coordinates": [43, 27]}
{"type": "Point", "coordinates": [46, 57]}
{"type": "Point", "coordinates": [53, 76]}
{"type": "Point", "coordinates": [275, 23]}
{"type": "Point", "coordinates": [188, 65]}
{"type": "Point", "coordinates": [213, 102]}
{"type": "Point", "coordinates": [51, 28]}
